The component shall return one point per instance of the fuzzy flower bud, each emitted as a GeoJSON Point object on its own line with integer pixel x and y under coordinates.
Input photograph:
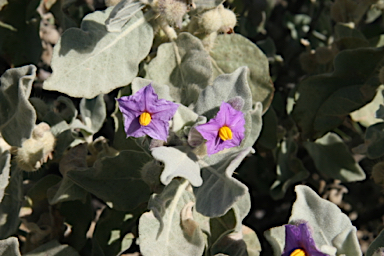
{"type": "Point", "coordinates": [36, 150]}
{"type": "Point", "coordinates": [173, 11]}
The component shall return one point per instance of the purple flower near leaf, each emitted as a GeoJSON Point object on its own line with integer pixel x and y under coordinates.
{"type": "Point", "coordinates": [299, 241]}
{"type": "Point", "coordinates": [145, 114]}
{"type": "Point", "coordinates": [226, 130]}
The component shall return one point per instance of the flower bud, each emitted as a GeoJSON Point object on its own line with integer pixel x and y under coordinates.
{"type": "Point", "coordinates": [210, 21]}
{"type": "Point", "coordinates": [228, 19]}
{"type": "Point", "coordinates": [36, 150]}
{"type": "Point", "coordinates": [173, 11]}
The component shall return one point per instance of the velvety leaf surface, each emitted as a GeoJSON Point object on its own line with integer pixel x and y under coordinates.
{"type": "Point", "coordinates": [90, 61]}
{"type": "Point", "coordinates": [166, 229]}
{"type": "Point", "coordinates": [93, 112]}
{"type": "Point", "coordinates": [66, 189]}
{"type": "Point", "coordinates": [111, 231]}
{"type": "Point", "coordinates": [12, 200]}
{"type": "Point", "coordinates": [325, 100]}
{"type": "Point", "coordinates": [333, 159]}
{"type": "Point", "coordinates": [224, 88]}
{"type": "Point", "coordinates": [5, 166]}
{"type": "Point", "coordinates": [17, 115]}
{"type": "Point", "coordinates": [289, 169]}
{"type": "Point", "coordinates": [9, 247]}
{"type": "Point", "coordinates": [178, 164]}
{"type": "Point", "coordinates": [219, 190]}
{"type": "Point", "coordinates": [184, 66]}
{"type": "Point", "coordinates": [311, 208]}
{"type": "Point", "coordinates": [252, 241]}
{"type": "Point", "coordinates": [53, 248]}
{"type": "Point", "coordinates": [121, 14]}
{"type": "Point", "coordinates": [376, 244]}
{"type": "Point", "coordinates": [116, 180]}
{"type": "Point", "coordinates": [374, 139]}
{"type": "Point", "coordinates": [233, 51]}
{"type": "Point", "coordinates": [367, 114]}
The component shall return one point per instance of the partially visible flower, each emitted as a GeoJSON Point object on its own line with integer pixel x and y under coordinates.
{"type": "Point", "coordinates": [226, 130]}
{"type": "Point", "coordinates": [299, 241]}
{"type": "Point", "coordinates": [145, 114]}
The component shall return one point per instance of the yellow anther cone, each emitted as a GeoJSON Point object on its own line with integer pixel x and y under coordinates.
{"type": "Point", "coordinates": [145, 118]}
{"type": "Point", "coordinates": [225, 133]}
{"type": "Point", "coordinates": [298, 252]}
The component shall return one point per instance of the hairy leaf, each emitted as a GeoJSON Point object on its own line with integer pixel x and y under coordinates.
{"type": "Point", "coordinates": [170, 228]}
{"type": "Point", "coordinates": [376, 244]}
{"type": "Point", "coordinates": [333, 159]}
{"type": "Point", "coordinates": [336, 231]}
{"type": "Point", "coordinates": [178, 164]}
{"type": "Point", "coordinates": [234, 50]}
{"type": "Point", "coordinates": [11, 204]}
{"type": "Point", "coordinates": [5, 166]}
{"type": "Point", "coordinates": [121, 14]}
{"type": "Point", "coordinates": [325, 100]}
{"type": "Point", "coordinates": [90, 61]}
{"type": "Point", "coordinates": [93, 112]}
{"type": "Point", "coordinates": [224, 88]}
{"type": "Point", "coordinates": [116, 180]}
{"type": "Point", "coordinates": [9, 247]}
{"type": "Point", "coordinates": [53, 248]}
{"type": "Point", "coordinates": [184, 66]}
{"type": "Point", "coordinates": [220, 190]}
{"type": "Point", "coordinates": [17, 115]}
{"type": "Point", "coordinates": [289, 169]}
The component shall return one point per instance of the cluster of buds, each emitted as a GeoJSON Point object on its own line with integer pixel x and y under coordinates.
{"type": "Point", "coordinates": [173, 11]}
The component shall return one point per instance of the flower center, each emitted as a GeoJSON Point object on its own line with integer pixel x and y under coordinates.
{"type": "Point", "coordinates": [298, 252]}
{"type": "Point", "coordinates": [225, 133]}
{"type": "Point", "coordinates": [145, 118]}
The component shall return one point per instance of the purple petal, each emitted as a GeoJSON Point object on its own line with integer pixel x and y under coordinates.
{"type": "Point", "coordinates": [299, 236]}
{"type": "Point", "coordinates": [209, 131]}
{"type": "Point", "coordinates": [146, 100]}
{"type": "Point", "coordinates": [163, 110]}
{"type": "Point", "coordinates": [157, 129]}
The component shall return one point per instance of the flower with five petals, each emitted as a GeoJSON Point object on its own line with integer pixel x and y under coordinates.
{"type": "Point", "coordinates": [145, 114]}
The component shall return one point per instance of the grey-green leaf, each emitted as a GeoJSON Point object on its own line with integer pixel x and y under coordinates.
{"type": "Point", "coordinates": [333, 159]}
{"type": "Point", "coordinates": [376, 244]}
{"type": "Point", "coordinates": [178, 164]}
{"type": "Point", "coordinates": [93, 112]}
{"type": "Point", "coordinates": [233, 51]}
{"type": "Point", "coordinates": [116, 180]}
{"type": "Point", "coordinates": [9, 247]}
{"type": "Point", "coordinates": [220, 190]}
{"type": "Point", "coordinates": [11, 204]}
{"type": "Point", "coordinates": [17, 115]}
{"type": "Point", "coordinates": [53, 248]}
{"type": "Point", "coordinates": [224, 88]}
{"type": "Point", "coordinates": [171, 228]}
{"type": "Point", "coordinates": [326, 99]}
{"type": "Point", "coordinates": [90, 61]}
{"type": "Point", "coordinates": [331, 228]}
{"type": "Point", "coordinates": [121, 14]}
{"type": "Point", "coordinates": [5, 166]}
{"type": "Point", "coordinates": [184, 66]}
{"type": "Point", "coordinates": [289, 169]}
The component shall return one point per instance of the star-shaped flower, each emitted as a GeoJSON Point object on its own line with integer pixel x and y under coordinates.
{"type": "Point", "coordinates": [226, 130]}
{"type": "Point", "coordinates": [145, 114]}
{"type": "Point", "coordinates": [299, 241]}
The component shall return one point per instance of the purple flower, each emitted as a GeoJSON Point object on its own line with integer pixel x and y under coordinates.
{"type": "Point", "coordinates": [299, 241]}
{"type": "Point", "coordinates": [226, 130]}
{"type": "Point", "coordinates": [145, 114]}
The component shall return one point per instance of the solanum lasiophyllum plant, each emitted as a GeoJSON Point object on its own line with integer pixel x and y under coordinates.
{"type": "Point", "coordinates": [188, 113]}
